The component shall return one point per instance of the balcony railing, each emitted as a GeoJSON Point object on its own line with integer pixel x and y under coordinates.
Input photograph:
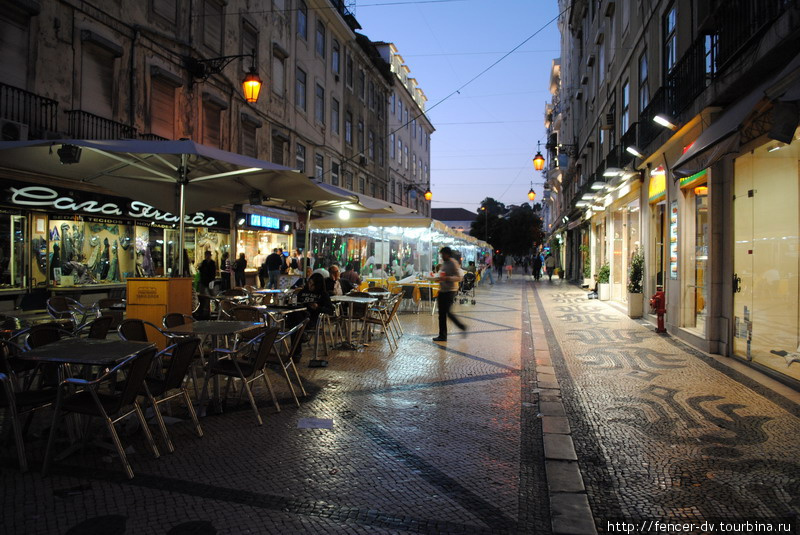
{"type": "Point", "coordinates": [85, 125]}
{"type": "Point", "coordinates": [739, 21]}
{"type": "Point", "coordinates": [152, 137]}
{"type": "Point", "coordinates": [39, 113]}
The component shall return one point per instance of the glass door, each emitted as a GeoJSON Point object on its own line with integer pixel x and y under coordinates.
{"type": "Point", "coordinates": [767, 258]}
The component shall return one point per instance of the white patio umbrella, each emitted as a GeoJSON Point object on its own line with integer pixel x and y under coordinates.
{"type": "Point", "coordinates": [174, 176]}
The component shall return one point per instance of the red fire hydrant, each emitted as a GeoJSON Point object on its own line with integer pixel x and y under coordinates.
{"type": "Point", "coordinates": [658, 305]}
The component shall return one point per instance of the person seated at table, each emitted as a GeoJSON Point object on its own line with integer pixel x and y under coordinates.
{"type": "Point", "coordinates": [336, 284]}
{"type": "Point", "coordinates": [315, 296]}
{"type": "Point", "coordinates": [301, 282]}
{"type": "Point", "coordinates": [378, 272]}
{"type": "Point", "coordinates": [322, 271]}
{"type": "Point", "coordinates": [351, 275]}
{"type": "Point", "coordinates": [409, 270]}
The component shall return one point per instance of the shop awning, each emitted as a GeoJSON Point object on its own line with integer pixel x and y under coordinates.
{"type": "Point", "coordinates": [722, 137]}
{"type": "Point", "coordinates": [374, 220]}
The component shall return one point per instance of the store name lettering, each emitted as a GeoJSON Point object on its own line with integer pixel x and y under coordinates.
{"type": "Point", "coordinates": [43, 197]}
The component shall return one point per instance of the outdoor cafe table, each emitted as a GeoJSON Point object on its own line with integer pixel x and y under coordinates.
{"type": "Point", "coordinates": [85, 351]}
{"type": "Point", "coordinates": [432, 284]}
{"type": "Point", "coordinates": [352, 301]}
{"type": "Point", "coordinates": [214, 329]}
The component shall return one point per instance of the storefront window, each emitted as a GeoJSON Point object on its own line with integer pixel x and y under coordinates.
{"type": "Point", "coordinates": [658, 226]}
{"type": "Point", "coordinates": [87, 252]}
{"type": "Point", "coordinates": [258, 244]}
{"type": "Point", "coordinates": [12, 251]}
{"type": "Point", "coordinates": [767, 257]}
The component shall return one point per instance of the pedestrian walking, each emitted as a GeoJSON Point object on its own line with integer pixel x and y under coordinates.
{"type": "Point", "coordinates": [550, 265]}
{"type": "Point", "coordinates": [509, 269]}
{"type": "Point", "coordinates": [449, 277]}
{"type": "Point", "coordinates": [239, 265]}
{"type": "Point", "coordinates": [537, 266]}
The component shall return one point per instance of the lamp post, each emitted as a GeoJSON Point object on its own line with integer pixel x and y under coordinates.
{"type": "Point", "coordinates": [485, 224]}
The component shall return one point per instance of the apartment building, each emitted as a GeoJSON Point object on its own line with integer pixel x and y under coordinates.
{"type": "Point", "coordinates": [676, 122]}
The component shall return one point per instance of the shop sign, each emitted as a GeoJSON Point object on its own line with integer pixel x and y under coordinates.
{"type": "Point", "coordinates": [263, 221]}
{"type": "Point", "coordinates": [46, 197]}
{"type": "Point", "coordinates": [695, 179]}
{"type": "Point", "coordinates": [657, 188]}
{"type": "Point", "coordinates": [673, 240]}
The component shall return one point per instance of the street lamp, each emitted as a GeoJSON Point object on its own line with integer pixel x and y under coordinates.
{"type": "Point", "coordinates": [531, 193]}
{"type": "Point", "coordinates": [485, 224]}
{"type": "Point", "coordinates": [428, 194]}
{"type": "Point", "coordinates": [538, 160]}
{"type": "Point", "coordinates": [202, 69]}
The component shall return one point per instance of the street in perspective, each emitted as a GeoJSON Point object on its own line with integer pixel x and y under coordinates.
{"type": "Point", "coordinates": [399, 267]}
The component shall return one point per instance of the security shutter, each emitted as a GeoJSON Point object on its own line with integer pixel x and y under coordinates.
{"type": "Point", "coordinates": [14, 44]}
{"type": "Point", "coordinates": [162, 108]}
{"type": "Point", "coordinates": [212, 25]}
{"type": "Point", "coordinates": [211, 125]}
{"type": "Point", "coordinates": [97, 80]}
{"type": "Point", "coordinates": [248, 139]}
{"type": "Point", "coordinates": [278, 150]}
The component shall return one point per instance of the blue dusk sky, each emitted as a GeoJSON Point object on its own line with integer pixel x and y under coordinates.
{"type": "Point", "coordinates": [486, 135]}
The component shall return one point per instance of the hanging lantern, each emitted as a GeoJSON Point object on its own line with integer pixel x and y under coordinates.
{"type": "Point", "coordinates": [531, 194]}
{"type": "Point", "coordinates": [538, 161]}
{"type": "Point", "coordinates": [251, 86]}
{"type": "Point", "coordinates": [428, 194]}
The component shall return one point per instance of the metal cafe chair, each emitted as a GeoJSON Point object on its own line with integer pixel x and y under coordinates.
{"type": "Point", "coordinates": [97, 329]}
{"type": "Point", "coordinates": [290, 341]}
{"type": "Point", "coordinates": [246, 362]}
{"type": "Point", "coordinates": [18, 403]}
{"type": "Point", "coordinates": [159, 390]}
{"type": "Point", "coordinates": [112, 405]}
{"type": "Point", "coordinates": [66, 308]}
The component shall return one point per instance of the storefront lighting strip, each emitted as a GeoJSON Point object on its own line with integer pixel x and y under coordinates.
{"type": "Point", "coordinates": [229, 173]}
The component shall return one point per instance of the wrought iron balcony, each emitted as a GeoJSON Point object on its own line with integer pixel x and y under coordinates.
{"type": "Point", "coordinates": [39, 113]}
{"type": "Point", "coordinates": [85, 125]}
{"type": "Point", "coordinates": [152, 137]}
{"type": "Point", "coordinates": [738, 22]}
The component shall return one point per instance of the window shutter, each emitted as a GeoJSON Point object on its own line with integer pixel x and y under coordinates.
{"type": "Point", "coordinates": [212, 25]}
{"type": "Point", "coordinates": [97, 78]}
{"type": "Point", "coordinates": [162, 108]}
{"type": "Point", "coordinates": [14, 59]}
{"type": "Point", "coordinates": [248, 139]}
{"type": "Point", "coordinates": [211, 126]}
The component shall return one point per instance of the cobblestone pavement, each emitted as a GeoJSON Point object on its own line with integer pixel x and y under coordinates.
{"type": "Point", "coordinates": [428, 439]}
{"type": "Point", "coordinates": [448, 438]}
{"type": "Point", "coordinates": [663, 431]}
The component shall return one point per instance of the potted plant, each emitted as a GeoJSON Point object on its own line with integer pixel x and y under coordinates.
{"type": "Point", "coordinates": [603, 286]}
{"type": "Point", "coordinates": [635, 276]}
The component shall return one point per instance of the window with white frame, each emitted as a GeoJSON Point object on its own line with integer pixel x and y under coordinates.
{"type": "Point", "coordinates": [360, 136]}
{"type": "Point", "coordinates": [670, 40]}
{"type": "Point", "coordinates": [302, 19]}
{"type": "Point", "coordinates": [362, 184]}
{"type": "Point", "coordinates": [405, 157]}
{"type": "Point", "coordinates": [300, 158]}
{"type": "Point", "coordinates": [392, 150]}
{"type": "Point", "coordinates": [300, 89]}
{"type": "Point", "coordinates": [319, 104]}
{"type": "Point", "coordinates": [371, 145]}
{"type": "Point", "coordinates": [348, 180]}
{"type": "Point", "coordinates": [335, 115]}
{"type": "Point", "coordinates": [348, 128]}
{"type": "Point", "coordinates": [319, 166]}
{"type": "Point", "coordinates": [624, 118]}
{"type": "Point", "coordinates": [400, 151]}
{"type": "Point", "coordinates": [644, 88]}
{"type": "Point", "coordinates": [349, 71]}
{"type": "Point", "coordinates": [278, 72]}
{"type": "Point", "coordinates": [336, 58]}
{"type": "Point", "coordinates": [320, 39]}
{"type": "Point", "coordinates": [335, 173]}
{"type": "Point", "coordinates": [362, 84]}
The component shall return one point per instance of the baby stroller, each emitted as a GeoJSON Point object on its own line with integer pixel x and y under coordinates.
{"type": "Point", "coordinates": [466, 288]}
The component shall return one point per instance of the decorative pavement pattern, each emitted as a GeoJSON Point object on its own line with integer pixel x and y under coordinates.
{"type": "Point", "coordinates": [663, 431]}
{"type": "Point", "coordinates": [428, 439]}
{"type": "Point", "coordinates": [441, 439]}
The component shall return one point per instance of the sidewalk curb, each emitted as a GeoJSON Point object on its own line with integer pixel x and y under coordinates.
{"type": "Point", "coordinates": [570, 512]}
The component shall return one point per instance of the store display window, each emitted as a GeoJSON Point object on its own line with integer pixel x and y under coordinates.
{"type": "Point", "coordinates": [12, 251]}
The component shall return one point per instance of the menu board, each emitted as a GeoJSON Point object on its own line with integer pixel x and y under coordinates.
{"type": "Point", "coordinates": [673, 240]}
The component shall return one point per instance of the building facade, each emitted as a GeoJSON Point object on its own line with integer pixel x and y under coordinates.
{"type": "Point", "coordinates": [683, 120]}
{"type": "Point", "coordinates": [111, 70]}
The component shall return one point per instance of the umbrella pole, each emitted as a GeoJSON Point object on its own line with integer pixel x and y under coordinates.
{"type": "Point", "coordinates": [181, 214]}
{"type": "Point", "coordinates": [308, 239]}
